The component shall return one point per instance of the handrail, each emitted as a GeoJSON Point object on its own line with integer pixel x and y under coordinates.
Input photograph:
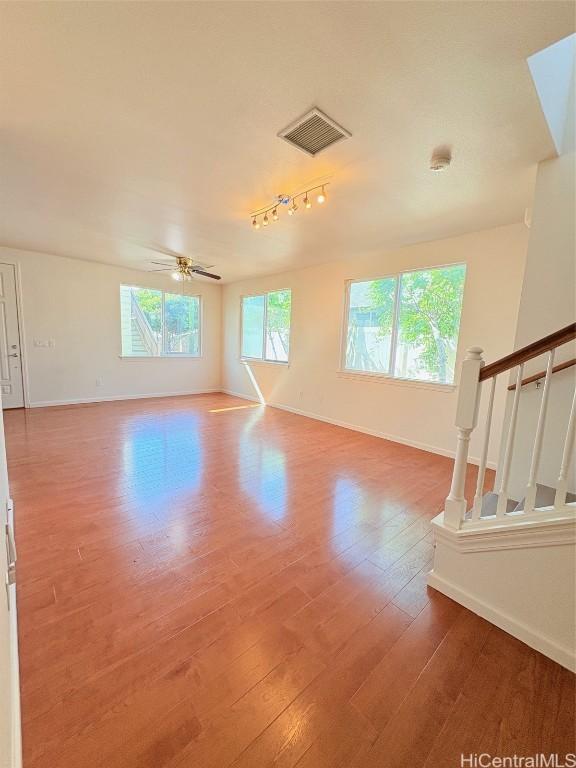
{"type": "Point", "coordinates": [541, 374]}
{"type": "Point", "coordinates": [528, 352]}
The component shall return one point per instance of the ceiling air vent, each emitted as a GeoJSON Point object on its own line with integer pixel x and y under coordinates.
{"type": "Point", "coordinates": [313, 132]}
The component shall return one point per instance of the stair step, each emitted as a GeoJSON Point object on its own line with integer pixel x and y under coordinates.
{"type": "Point", "coordinates": [490, 502]}
{"type": "Point", "coordinates": [544, 497]}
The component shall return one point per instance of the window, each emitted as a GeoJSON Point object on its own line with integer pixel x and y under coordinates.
{"type": "Point", "coordinates": [266, 326]}
{"type": "Point", "coordinates": [156, 324]}
{"type": "Point", "coordinates": [407, 325]}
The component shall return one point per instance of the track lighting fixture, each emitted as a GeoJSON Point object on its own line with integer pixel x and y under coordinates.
{"type": "Point", "coordinates": [291, 202]}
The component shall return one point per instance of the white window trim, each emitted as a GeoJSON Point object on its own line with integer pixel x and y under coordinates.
{"type": "Point", "coordinates": [384, 378]}
{"type": "Point", "coordinates": [264, 360]}
{"type": "Point", "coordinates": [168, 355]}
{"type": "Point", "coordinates": [388, 377]}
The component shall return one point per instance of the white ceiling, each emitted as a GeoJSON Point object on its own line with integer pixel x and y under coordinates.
{"type": "Point", "coordinates": [155, 123]}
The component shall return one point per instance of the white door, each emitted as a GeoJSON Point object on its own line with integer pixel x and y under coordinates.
{"type": "Point", "coordinates": [10, 356]}
{"type": "Point", "coordinates": [10, 743]}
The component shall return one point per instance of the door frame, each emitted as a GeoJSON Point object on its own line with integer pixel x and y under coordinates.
{"type": "Point", "coordinates": [20, 315]}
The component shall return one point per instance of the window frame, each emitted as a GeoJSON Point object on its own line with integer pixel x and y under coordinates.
{"type": "Point", "coordinates": [245, 358]}
{"type": "Point", "coordinates": [389, 377]}
{"type": "Point", "coordinates": [163, 354]}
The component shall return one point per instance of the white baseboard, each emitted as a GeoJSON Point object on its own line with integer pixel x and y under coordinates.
{"type": "Point", "coordinates": [563, 656]}
{"type": "Point", "coordinates": [243, 396]}
{"type": "Point", "coordinates": [112, 398]}
{"type": "Point", "coordinates": [363, 430]}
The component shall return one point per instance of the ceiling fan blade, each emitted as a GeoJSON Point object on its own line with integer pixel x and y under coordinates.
{"type": "Point", "coordinates": [162, 263]}
{"type": "Point", "coordinates": [164, 250]}
{"type": "Point", "coordinates": [205, 274]}
{"type": "Point", "coordinates": [167, 269]}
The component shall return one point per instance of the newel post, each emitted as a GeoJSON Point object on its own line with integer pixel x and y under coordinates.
{"type": "Point", "coordinates": [466, 420]}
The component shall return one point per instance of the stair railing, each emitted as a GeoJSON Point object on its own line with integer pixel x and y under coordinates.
{"type": "Point", "coordinates": [151, 342]}
{"type": "Point", "coordinates": [474, 373]}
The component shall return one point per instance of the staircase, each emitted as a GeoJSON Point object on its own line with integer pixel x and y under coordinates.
{"type": "Point", "coordinates": [145, 337]}
{"type": "Point", "coordinates": [138, 345]}
{"type": "Point", "coordinates": [512, 562]}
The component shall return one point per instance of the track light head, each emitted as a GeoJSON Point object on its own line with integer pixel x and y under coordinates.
{"type": "Point", "coordinates": [265, 220]}
{"type": "Point", "coordinates": [255, 224]}
{"type": "Point", "coordinates": [321, 196]}
{"type": "Point", "coordinates": [275, 214]}
{"type": "Point", "coordinates": [307, 202]}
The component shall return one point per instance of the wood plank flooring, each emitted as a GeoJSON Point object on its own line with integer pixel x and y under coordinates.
{"type": "Point", "coordinates": [204, 582]}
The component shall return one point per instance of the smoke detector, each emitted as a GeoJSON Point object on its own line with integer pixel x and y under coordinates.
{"type": "Point", "coordinates": [441, 159]}
{"type": "Point", "coordinates": [314, 132]}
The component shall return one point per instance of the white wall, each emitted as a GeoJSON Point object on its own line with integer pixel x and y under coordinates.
{"type": "Point", "coordinates": [422, 415]}
{"type": "Point", "coordinates": [77, 303]}
{"type": "Point", "coordinates": [548, 303]}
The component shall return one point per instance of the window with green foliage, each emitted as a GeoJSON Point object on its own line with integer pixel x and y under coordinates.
{"type": "Point", "coordinates": [156, 324]}
{"type": "Point", "coordinates": [266, 326]}
{"type": "Point", "coordinates": [406, 325]}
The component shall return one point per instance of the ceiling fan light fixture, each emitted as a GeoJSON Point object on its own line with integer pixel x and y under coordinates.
{"type": "Point", "coordinates": [185, 268]}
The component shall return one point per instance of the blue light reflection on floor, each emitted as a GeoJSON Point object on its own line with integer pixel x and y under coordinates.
{"type": "Point", "coordinates": [262, 471]}
{"type": "Point", "coordinates": [162, 458]}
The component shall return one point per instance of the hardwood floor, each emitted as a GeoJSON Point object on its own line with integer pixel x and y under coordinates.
{"type": "Point", "coordinates": [205, 582]}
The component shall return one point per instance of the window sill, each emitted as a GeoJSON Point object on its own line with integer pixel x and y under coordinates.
{"type": "Point", "coordinates": [383, 379]}
{"type": "Point", "coordinates": [160, 357]}
{"type": "Point", "coordinates": [256, 361]}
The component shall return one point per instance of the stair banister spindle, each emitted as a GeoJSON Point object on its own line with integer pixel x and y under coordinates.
{"type": "Point", "coordinates": [562, 485]}
{"type": "Point", "coordinates": [466, 420]}
{"type": "Point", "coordinates": [506, 464]}
{"type": "Point", "coordinates": [477, 509]}
{"type": "Point", "coordinates": [530, 495]}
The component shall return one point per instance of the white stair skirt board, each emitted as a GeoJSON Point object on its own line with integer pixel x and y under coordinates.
{"type": "Point", "coordinates": [517, 574]}
{"type": "Point", "coordinates": [356, 428]}
{"type": "Point", "coordinates": [545, 645]}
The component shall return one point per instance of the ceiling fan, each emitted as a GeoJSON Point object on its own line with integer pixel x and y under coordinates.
{"type": "Point", "coordinates": [185, 267]}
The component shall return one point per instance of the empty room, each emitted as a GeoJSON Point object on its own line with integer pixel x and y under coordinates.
{"type": "Point", "coordinates": [288, 384]}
